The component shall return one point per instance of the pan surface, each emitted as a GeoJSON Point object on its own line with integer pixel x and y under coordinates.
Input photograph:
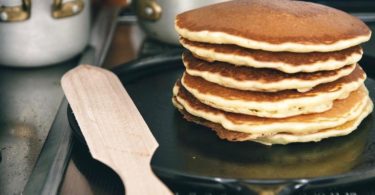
{"type": "Point", "coordinates": [194, 153]}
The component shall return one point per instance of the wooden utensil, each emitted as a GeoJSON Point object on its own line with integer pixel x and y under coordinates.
{"type": "Point", "coordinates": [114, 130]}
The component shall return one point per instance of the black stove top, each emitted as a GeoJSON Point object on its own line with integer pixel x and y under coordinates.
{"type": "Point", "coordinates": [99, 179]}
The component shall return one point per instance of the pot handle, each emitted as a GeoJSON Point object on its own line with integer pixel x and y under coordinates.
{"type": "Point", "coordinates": [14, 11]}
{"type": "Point", "coordinates": [264, 189]}
{"type": "Point", "coordinates": [149, 10]}
{"type": "Point", "coordinates": [62, 9]}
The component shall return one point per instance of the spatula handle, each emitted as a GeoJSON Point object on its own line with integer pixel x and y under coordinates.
{"type": "Point", "coordinates": [139, 178]}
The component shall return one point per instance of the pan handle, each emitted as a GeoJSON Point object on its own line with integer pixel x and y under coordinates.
{"type": "Point", "coordinates": [265, 189]}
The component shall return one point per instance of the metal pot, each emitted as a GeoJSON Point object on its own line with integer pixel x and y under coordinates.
{"type": "Point", "coordinates": [41, 32]}
{"type": "Point", "coordinates": [156, 17]}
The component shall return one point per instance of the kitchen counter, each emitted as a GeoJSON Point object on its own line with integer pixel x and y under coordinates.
{"type": "Point", "coordinates": [29, 101]}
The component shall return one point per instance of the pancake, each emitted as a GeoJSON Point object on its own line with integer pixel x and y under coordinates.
{"type": "Point", "coordinates": [259, 79]}
{"type": "Point", "coordinates": [279, 104]}
{"type": "Point", "coordinates": [281, 138]}
{"type": "Point", "coordinates": [341, 130]}
{"type": "Point", "coordinates": [273, 25]}
{"type": "Point", "coordinates": [343, 118]}
{"type": "Point", "coordinates": [284, 61]}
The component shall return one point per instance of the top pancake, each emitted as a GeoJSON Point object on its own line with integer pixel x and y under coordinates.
{"type": "Point", "coordinates": [273, 25]}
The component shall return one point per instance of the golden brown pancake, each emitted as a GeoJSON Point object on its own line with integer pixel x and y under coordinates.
{"type": "Point", "coordinates": [284, 61]}
{"type": "Point", "coordinates": [185, 102]}
{"type": "Point", "coordinates": [219, 130]}
{"type": "Point", "coordinates": [273, 72]}
{"type": "Point", "coordinates": [211, 88]}
{"type": "Point", "coordinates": [273, 25]}
{"type": "Point", "coordinates": [278, 104]}
{"type": "Point", "coordinates": [290, 58]}
{"type": "Point", "coordinates": [225, 134]}
{"type": "Point", "coordinates": [258, 79]}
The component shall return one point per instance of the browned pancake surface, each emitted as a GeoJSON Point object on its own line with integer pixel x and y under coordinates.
{"type": "Point", "coordinates": [226, 134]}
{"type": "Point", "coordinates": [242, 73]}
{"type": "Point", "coordinates": [221, 132]}
{"type": "Point", "coordinates": [290, 58]}
{"type": "Point", "coordinates": [275, 21]}
{"type": "Point", "coordinates": [339, 108]}
{"type": "Point", "coordinates": [206, 87]}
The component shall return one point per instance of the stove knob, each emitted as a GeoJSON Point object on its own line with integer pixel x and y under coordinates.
{"type": "Point", "coordinates": [14, 10]}
{"type": "Point", "coordinates": [66, 8]}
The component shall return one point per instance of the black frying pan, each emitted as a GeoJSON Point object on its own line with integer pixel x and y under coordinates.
{"type": "Point", "coordinates": [192, 153]}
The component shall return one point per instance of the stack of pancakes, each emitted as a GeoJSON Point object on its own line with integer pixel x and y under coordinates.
{"type": "Point", "coordinates": [274, 71]}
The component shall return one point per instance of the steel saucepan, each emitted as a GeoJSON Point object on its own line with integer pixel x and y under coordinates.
{"type": "Point", "coordinates": [38, 33]}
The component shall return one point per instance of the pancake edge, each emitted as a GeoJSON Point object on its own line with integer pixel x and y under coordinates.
{"type": "Point", "coordinates": [225, 38]}
{"type": "Point", "coordinates": [262, 130]}
{"type": "Point", "coordinates": [277, 109]}
{"type": "Point", "coordinates": [252, 85]}
{"type": "Point", "coordinates": [239, 60]}
{"type": "Point", "coordinates": [284, 139]}
{"type": "Point", "coordinates": [318, 136]}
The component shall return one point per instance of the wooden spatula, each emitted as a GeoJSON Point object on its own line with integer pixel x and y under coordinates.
{"type": "Point", "coordinates": [114, 130]}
